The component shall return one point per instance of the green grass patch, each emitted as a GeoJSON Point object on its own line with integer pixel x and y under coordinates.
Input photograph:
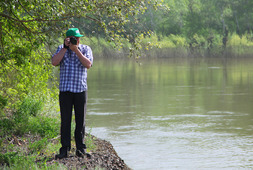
{"type": "Point", "coordinates": [29, 137]}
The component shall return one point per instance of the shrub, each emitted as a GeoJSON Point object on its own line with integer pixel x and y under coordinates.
{"type": "Point", "coordinates": [28, 107]}
{"type": "Point", "coordinates": [3, 102]}
{"type": "Point", "coordinates": [7, 126]}
{"type": "Point", "coordinates": [8, 158]}
{"type": "Point", "coordinates": [26, 119]}
{"type": "Point", "coordinates": [44, 126]}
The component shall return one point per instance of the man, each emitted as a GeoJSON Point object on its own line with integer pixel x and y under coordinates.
{"type": "Point", "coordinates": [74, 60]}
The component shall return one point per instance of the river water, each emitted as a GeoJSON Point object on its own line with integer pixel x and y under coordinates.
{"type": "Point", "coordinates": [184, 113]}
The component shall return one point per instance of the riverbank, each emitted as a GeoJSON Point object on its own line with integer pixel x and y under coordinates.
{"type": "Point", "coordinates": [102, 156]}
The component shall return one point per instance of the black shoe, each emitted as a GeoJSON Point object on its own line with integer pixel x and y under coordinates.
{"type": "Point", "coordinates": [61, 155]}
{"type": "Point", "coordinates": [80, 153]}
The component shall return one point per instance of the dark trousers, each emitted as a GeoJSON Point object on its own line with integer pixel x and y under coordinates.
{"type": "Point", "coordinates": [69, 100]}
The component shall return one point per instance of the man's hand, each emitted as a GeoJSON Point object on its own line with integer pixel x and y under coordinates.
{"type": "Point", "coordinates": [73, 47]}
{"type": "Point", "coordinates": [68, 45]}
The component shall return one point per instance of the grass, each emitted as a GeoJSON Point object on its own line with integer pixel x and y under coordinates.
{"type": "Point", "coordinates": [29, 138]}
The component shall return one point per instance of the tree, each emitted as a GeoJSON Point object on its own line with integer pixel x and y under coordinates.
{"type": "Point", "coordinates": [172, 22]}
{"type": "Point", "coordinates": [27, 26]}
{"type": "Point", "coordinates": [30, 21]}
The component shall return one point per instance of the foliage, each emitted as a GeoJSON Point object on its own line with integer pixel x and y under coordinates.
{"type": "Point", "coordinates": [28, 22]}
{"type": "Point", "coordinates": [33, 152]}
{"type": "Point", "coordinates": [191, 17]}
{"type": "Point", "coordinates": [89, 142]}
{"type": "Point", "coordinates": [240, 45]}
{"type": "Point", "coordinates": [3, 102]}
{"type": "Point", "coordinates": [206, 22]}
{"type": "Point", "coordinates": [44, 126]}
{"type": "Point", "coordinates": [14, 160]}
{"type": "Point", "coordinates": [9, 157]}
{"type": "Point", "coordinates": [17, 82]}
{"type": "Point", "coordinates": [26, 119]}
{"type": "Point", "coordinates": [29, 107]}
{"type": "Point", "coordinates": [31, 29]}
{"type": "Point", "coordinates": [236, 40]}
{"type": "Point", "coordinates": [37, 146]}
{"type": "Point", "coordinates": [7, 126]}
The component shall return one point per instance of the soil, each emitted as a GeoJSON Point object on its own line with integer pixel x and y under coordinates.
{"type": "Point", "coordinates": [104, 157]}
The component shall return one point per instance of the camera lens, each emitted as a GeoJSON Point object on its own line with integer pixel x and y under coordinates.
{"type": "Point", "coordinates": [73, 40]}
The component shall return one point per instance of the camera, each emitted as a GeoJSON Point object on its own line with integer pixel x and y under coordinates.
{"type": "Point", "coordinates": [73, 40]}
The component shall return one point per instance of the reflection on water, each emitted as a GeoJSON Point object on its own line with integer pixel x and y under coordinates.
{"type": "Point", "coordinates": [174, 113]}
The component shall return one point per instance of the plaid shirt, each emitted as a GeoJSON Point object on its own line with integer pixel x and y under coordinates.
{"type": "Point", "coordinates": [73, 75]}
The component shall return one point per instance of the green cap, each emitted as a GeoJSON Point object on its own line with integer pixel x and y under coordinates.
{"type": "Point", "coordinates": [73, 32]}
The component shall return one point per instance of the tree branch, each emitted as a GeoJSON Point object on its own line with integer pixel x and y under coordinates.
{"type": "Point", "coordinates": [25, 9]}
{"type": "Point", "coordinates": [36, 19]}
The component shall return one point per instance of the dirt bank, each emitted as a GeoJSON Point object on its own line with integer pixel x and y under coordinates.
{"type": "Point", "coordinates": [104, 157]}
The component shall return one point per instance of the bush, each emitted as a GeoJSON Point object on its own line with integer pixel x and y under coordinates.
{"type": "Point", "coordinates": [29, 107]}
{"type": "Point", "coordinates": [8, 158]}
{"type": "Point", "coordinates": [3, 102]}
{"type": "Point", "coordinates": [44, 126]}
{"type": "Point", "coordinates": [7, 126]}
{"type": "Point", "coordinates": [240, 45]}
{"type": "Point", "coordinates": [26, 119]}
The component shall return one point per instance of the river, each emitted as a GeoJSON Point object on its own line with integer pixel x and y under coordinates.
{"type": "Point", "coordinates": [174, 113]}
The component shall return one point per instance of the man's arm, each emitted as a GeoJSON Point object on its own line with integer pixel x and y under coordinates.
{"type": "Point", "coordinates": [59, 56]}
{"type": "Point", "coordinates": [84, 60]}
{"type": "Point", "coordinates": [56, 59]}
